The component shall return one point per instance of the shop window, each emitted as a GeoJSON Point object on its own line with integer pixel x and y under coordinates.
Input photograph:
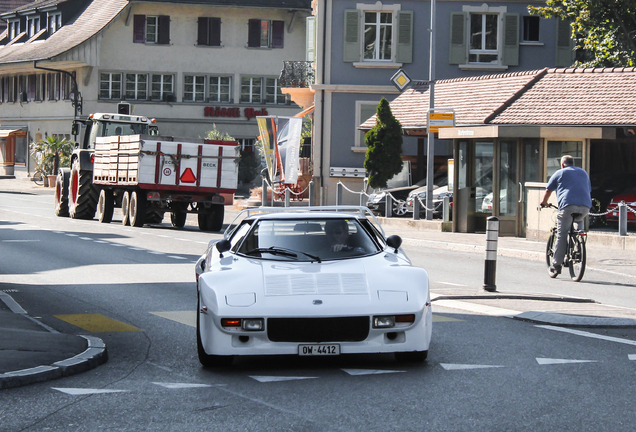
{"type": "Point", "coordinates": [209, 31]}
{"type": "Point", "coordinates": [265, 34]}
{"type": "Point", "coordinates": [151, 29]}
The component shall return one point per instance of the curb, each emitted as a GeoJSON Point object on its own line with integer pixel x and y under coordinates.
{"type": "Point", "coordinates": [94, 355]}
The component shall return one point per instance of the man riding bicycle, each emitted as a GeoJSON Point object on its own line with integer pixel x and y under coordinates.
{"type": "Point", "coordinates": [574, 196]}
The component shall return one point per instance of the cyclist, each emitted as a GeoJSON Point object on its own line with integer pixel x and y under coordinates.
{"type": "Point", "coordinates": [574, 195]}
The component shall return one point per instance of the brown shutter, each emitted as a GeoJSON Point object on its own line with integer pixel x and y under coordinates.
{"type": "Point", "coordinates": [164, 30]}
{"type": "Point", "coordinates": [202, 33]}
{"type": "Point", "coordinates": [139, 29]}
{"type": "Point", "coordinates": [215, 31]}
{"type": "Point", "coordinates": [254, 33]}
{"type": "Point", "coordinates": [278, 33]}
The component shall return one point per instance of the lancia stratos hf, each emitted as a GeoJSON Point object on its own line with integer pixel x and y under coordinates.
{"type": "Point", "coordinates": [321, 281]}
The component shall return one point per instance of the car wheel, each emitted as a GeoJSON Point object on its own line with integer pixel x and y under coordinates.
{"type": "Point", "coordinates": [206, 359]}
{"type": "Point", "coordinates": [412, 356]}
{"type": "Point", "coordinates": [399, 208]}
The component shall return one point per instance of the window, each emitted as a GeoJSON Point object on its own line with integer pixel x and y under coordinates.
{"type": "Point", "coordinates": [247, 144]}
{"type": "Point", "coordinates": [14, 28]}
{"type": "Point", "coordinates": [273, 93]}
{"type": "Point", "coordinates": [378, 38]}
{"type": "Point", "coordinates": [151, 29]}
{"type": "Point", "coordinates": [251, 89]}
{"type": "Point", "coordinates": [23, 86]}
{"type": "Point", "coordinates": [194, 88]}
{"type": "Point", "coordinates": [12, 89]}
{"type": "Point", "coordinates": [55, 22]}
{"type": "Point", "coordinates": [265, 34]}
{"type": "Point", "coordinates": [109, 85]}
{"type": "Point", "coordinates": [484, 37]}
{"type": "Point", "coordinates": [531, 28]}
{"type": "Point", "coordinates": [33, 25]}
{"type": "Point", "coordinates": [557, 149]}
{"type": "Point", "coordinates": [162, 88]}
{"type": "Point", "coordinates": [220, 89]}
{"type": "Point", "coordinates": [378, 34]}
{"type": "Point", "coordinates": [40, 87]}
{"type": "Point", "coordinates": [136, 86]}
{"type": "Point", "coordinates": [364, 111]}
{"type": "Point", "coordinates": [67, 86]}
{"type": "Point", "coordinates": [209, 32]}
{"type": "Point", "coordinates": [53, 84]}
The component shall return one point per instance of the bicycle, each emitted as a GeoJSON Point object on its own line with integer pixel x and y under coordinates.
{"type": "Point", "coordinates": [39, 177]}
{"type": "Point", "coordinates": [575, 253]}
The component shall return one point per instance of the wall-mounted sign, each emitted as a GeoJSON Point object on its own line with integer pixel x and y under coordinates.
{"type": "Point", "coordinates": [443, 118]}
{"type": "Point", "coordinates": [250, 113]}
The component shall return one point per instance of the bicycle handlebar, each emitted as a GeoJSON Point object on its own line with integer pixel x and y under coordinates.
{"type": "Point", "coordinates": [550, 205]}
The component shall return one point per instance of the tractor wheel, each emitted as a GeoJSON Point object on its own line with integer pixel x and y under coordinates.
{"type": "Point", "coordinates": [82, 196]}
{"type": "Point", "coordinates": [125, 209]}
{"type": "Point", "coordinates": [61, 192]}
{"type": "Point", "coordinates": [105, 206]}
{"type": "Point", "coordinates": [137, 209]}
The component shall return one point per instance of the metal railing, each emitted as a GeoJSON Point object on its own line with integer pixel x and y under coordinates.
{"type": "Point", "coordinates": [297, 74]}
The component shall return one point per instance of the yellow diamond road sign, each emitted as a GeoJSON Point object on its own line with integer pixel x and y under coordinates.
{"type": "Point", "coordinates": [400, 79]}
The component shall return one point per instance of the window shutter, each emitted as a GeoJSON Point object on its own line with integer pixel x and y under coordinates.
{"type": "Point", "coordinates": [164, 30]}
{"type": "Point", "coordinates": [254, 33]}
{"type": "Point", "coordinates": [139, 29]}
{"type": "Point", "coordinates": [564, 47]}
{"type": "Point", "coordinates": [310, 39]}
{"type": "Point", "coordinates": [511, 39]}
{"type": "Point", "coordinates": [405, 37]}
{"type": "Point", "coordinates": [458, 49]}
{"type": "Point", "coordinates": [202, 31]}
{"type": "Point", "coordinates": [215, 31]}
{"type": "Point", "coordinates": [278, 33]}
{"type": "Point", "coordinates": [31, 87]}
{"type": "Point", "coordinates": [351, 52]}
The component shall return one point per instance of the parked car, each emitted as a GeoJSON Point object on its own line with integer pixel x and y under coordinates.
{"type": "Point", "coordinates": [277, 284]}
{"type": "Point", "coordinates": [629, 197]}
{"type": "Point", "coordinates": [440, 191]}
{"type": "Point", "coordinates": [486, 204]}
{"type": "Point", "coordinates": [377, 200]}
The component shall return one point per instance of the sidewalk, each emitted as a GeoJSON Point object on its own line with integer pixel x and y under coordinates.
{"type": "Point", "coordinates": [32, 352]}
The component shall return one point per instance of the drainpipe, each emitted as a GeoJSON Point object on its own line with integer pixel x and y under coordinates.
{"type": "Point", "coordinates": [322, 99]}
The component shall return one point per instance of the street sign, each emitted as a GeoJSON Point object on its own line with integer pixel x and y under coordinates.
{"type": "Point", "coordinates": [440, 119]}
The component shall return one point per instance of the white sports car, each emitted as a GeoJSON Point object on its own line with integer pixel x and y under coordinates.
{"type": "Point", "coordinates": [311, 282]}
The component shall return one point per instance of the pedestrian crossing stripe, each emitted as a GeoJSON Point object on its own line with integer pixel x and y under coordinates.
{"type": "Point", "coordinates": [96, 323]}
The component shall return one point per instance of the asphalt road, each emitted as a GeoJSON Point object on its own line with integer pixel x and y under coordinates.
{"type": "Point", "coordinates": [134, 288]}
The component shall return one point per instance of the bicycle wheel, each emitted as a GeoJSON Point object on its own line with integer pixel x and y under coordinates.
{"type": "Point", "coordinates": [38, 178]}
{"type": "Point", "coordinates": [577, 256]}
{"type": "Point", "coordinates": [549, 253]}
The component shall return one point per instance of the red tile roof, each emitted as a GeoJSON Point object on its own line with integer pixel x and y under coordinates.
{"type": "Point", "coordinates": [541, 97]}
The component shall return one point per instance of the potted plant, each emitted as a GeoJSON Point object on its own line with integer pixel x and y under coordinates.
{"type": "Point", "coordinates": [50, 154]}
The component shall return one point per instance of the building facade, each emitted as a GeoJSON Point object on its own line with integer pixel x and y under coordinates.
{"type": "Point", "coordinates": [192, 65]}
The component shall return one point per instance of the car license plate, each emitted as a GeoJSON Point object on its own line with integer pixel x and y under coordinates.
{"type": "Point", "coordinates": [319, 349]}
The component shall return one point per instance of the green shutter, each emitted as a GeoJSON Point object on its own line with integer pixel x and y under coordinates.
{"type": "Point", "coordinates": [310, 39]}
{"type": "Point", "coordinates": [405, 37]}
{"type": "Point", "coordinates": [458, 48]}
{"type": "Point", "coordinates": [564, 46]}
{"type": "Point", "coordinates": [511, 39]}
{"type": "Point", "coordinates": [351, 52]}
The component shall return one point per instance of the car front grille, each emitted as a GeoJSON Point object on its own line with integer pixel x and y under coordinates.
{"type": "Point", "coordinates": [338, 329]}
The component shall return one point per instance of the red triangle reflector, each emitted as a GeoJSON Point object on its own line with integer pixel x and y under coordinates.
{"type": "Point", "coordinates": [188, 176]}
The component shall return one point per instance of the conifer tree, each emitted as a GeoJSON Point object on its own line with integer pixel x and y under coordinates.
{"type": "Point", "coordinates": [384, 153]}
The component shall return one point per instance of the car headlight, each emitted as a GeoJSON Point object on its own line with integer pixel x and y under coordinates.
{"type": "Point", "coordinates": [390, 321]}
{"type": "Point", "coordinates": [247, 324]}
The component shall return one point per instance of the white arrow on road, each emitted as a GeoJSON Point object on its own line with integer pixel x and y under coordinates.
{"type": "Point", "coordinates": [549, 361]}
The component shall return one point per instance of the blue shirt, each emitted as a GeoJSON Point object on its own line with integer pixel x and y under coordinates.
{"type": "Point", "coordinates": [572, 186]}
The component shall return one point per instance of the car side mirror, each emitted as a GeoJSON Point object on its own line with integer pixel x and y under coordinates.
{"type": "Point", "coordinates": [223, 246]}
{"type": "Point", "coordinates": [394, 241]}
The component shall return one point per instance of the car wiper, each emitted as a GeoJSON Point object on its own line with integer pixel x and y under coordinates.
{"type": "Point", "coordinates": [274, 251]}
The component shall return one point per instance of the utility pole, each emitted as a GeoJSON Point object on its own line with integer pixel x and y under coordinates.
{"type": "Point", "coordinates": [430, 152]}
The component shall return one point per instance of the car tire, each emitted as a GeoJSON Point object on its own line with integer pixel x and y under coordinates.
{"type": "Point", "coordinates": [207, 360]}
{"type": "Point", "coordinates": [411, 356]}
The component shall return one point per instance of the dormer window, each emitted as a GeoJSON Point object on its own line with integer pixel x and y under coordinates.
{"type": "Point", "coordinates": [33, 25]}
{"type": "Point", "coordinates": [14, 28]}
{"type": "Point", "coordinates": [55, 22]}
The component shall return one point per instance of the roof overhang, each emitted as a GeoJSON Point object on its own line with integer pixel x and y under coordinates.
{"type": "Point", "coordinates": [6, 132]}
{"type": "Point", "coordinates": [510, 131]}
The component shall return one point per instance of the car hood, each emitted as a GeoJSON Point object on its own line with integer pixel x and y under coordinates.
{"type": "Point", "coordinates": [286, 288]}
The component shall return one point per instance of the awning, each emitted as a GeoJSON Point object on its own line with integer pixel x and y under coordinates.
{"type": "Point", "coordinates": [5, 132]}
{"type": "Point", "coordinates": [306, 111]}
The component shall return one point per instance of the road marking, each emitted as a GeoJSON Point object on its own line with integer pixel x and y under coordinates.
{"type": "Point", "coordinates": [100, 241]}
{"type": "Point", "coordinates": [176, 257]}
{"type": "Point", "coordinates": [442, 318]}
{"type": "Point", "coordinates": [631, 356]}
{"type": "Point", "coordinates": [19, 241]}
{"type": "Point", "coordinates": [85, 238]}
{"type": "Point", "coordinates": [184, 317]}
{"type": "Point", "coordinates": [549, 361]}
{"type": "Point", "coordinates": [156, 253]}
{"type": "Point", "coordinates": [79, 391]}
{"type": "Point", "coordinates": [117, 244]}
{"type": "Point", "coordinates": [588, 334]}
{"type": "Point", "coordinates": [96, 323]}
{"type": "Point", "coordinates": [266, 379]}
{"type": "Point", "coordinates": [450, 366]}
{"type": "Point", "coordinates": [450, 283]}
{"type": "Point", "coordinates": [181, 385]}
{"type": "Point", "coordinates": [477, 308]}
{"type": "Point", "coordinates": [358, 372]}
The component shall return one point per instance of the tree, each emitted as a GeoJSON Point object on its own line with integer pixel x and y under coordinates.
{"type": "Point", "coordinates": [52, 153]}
{"type": "Point", "coordinates": [217, 135]}
{"type": "Point", "coordinates": [384, 153]}
{"type": "Point", "coordinates": [604, 29]}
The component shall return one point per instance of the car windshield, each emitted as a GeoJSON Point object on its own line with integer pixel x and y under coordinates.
{"type": "Point", "coordinates": [313, 240]}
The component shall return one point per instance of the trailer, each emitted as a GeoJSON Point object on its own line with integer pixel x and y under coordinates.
{"type": "Point", "coordinates": [123, 165]}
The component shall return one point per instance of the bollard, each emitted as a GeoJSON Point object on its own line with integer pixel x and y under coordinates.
{"type": "Point", "coordinates": [416, 208]}
{"type": "Point", "coordinates": [388, 205]}
{"type": "Point", "coordinates": [287, 196]}
{"type": "Point", "coordinates": [622, 218]}
{"type": "Point", "coordinates": [263, 192]}
{"type": "Point", "coordinates": [312, 199]}
{"type": "Point", "coordinates": [492, 233]}
{"type": "Point", "coordinates": [446, 209]}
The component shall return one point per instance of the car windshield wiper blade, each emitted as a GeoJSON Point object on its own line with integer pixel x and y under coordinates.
{"type": "Point", "coordinates": [274, 251]}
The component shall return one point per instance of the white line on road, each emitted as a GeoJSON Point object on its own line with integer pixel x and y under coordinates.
{"type": "Point", "coordinates": [588, 334]}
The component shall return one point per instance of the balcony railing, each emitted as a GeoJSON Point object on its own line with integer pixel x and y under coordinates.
{"type": "Point", "coordinates": [297, 74]}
